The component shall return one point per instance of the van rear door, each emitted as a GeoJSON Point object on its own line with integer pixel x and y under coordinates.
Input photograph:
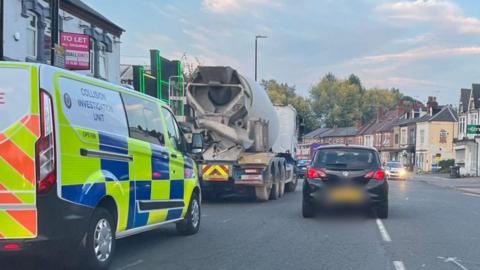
{"type": "Point", "coordinates": [19, 131]}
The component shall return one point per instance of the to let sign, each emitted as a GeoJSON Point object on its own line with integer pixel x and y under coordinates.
{"type": "Point", "coordinates": [473, 129]}
{"type": "Point", "coordinates": [77, 50]}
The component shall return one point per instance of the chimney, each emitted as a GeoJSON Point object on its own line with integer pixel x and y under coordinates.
{"type": "Point", "coordinates": [380, 114]}
{"type": "Point", "coordinates": [400, 108]}
{"type": "Point", "coordinates": [432, 105]}
{"type": "Point", "coordinates": [358, 124]}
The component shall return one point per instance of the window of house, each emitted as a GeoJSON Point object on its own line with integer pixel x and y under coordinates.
{"type": "Point", "coordinates": [413, 137]}
{"type": "Point", "coordinates": [144, 120]}
{"type": "Point", "coordinates": [403, 136]}
{"type": "Point", "coordinates": [32, 35]}
{"type": "Point", "coordinates": [443, 136]}
{"type": "Point", "coordinates": [102, 60]}
{"type": "Point", "coordinates": [92, 56]}
{"type": "Point", "coordinates": [422, 136]}
{"type": "Point", "coordinates": [396, 138]}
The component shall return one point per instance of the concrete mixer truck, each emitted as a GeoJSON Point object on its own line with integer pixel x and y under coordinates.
{"type": "Point", "coordinates": [246, 147]}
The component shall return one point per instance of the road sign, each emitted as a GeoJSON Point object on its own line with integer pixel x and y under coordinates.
{"type": "Point", "coordinates": [473, 129]}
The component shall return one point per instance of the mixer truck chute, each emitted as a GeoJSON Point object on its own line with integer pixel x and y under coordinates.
{"type": "Point", "coordinates": [240, 126]}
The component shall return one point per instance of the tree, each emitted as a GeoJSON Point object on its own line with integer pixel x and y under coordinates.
{"type": "Point", "coordinates": [336, 102]}
{"type": "Point", "coordinates": [284, 94]}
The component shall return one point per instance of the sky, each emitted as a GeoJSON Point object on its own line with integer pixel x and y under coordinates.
{"type": "Point", "coordinates": [423, 47]}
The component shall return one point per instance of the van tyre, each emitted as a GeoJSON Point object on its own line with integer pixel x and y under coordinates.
{"type": "Point", "coordinates": [100, 241]}
{"type": "Point", "coordinates": [191, 224]}
{"type": "Point", "coordinates": [308, 210]}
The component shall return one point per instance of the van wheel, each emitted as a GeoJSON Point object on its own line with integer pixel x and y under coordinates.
{"type": "Point", "coordinates": [100, 242]}
{"type": "Point", "coordinates": [191, 224]}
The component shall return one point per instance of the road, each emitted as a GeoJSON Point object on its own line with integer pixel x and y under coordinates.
{"type": "Point", "coordinates": [430, 227]}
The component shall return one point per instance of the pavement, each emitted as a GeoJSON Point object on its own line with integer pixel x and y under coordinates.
{"type": "Point", "coordinates": [469, 185]}
{"type": "Point", "coordinates": [431, 226]}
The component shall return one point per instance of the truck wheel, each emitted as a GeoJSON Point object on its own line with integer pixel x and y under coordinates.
{"type": "Point", "coordinates": [100, 242]}
{"type": "Point", "coordinates": [282, 189]}
{"type": "Point", "coordinates": [291, 186]}
{"type": "Point", "coordinates": [191, 224]}
{"type": "Point", "coordinates": [283, 178]}
{"type": "Point", "coordinates": [263, 192]}
{"type": "Point", "coordinates": [275, 193]}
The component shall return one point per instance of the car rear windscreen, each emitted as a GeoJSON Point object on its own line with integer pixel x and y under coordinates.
{"type": "Point", "coordinates": [346, 158]}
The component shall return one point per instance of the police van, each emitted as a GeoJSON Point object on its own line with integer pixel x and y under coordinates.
{"type": "Point", "coordinates": [84, 162]}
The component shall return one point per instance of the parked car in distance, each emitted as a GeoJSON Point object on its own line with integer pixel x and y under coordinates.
{"type": "Point", "coordinates": [395, 170]}
{"type": "Point", "coordinates": [346, 176]}
{"type": "Point", "coordinates": [302, 166]}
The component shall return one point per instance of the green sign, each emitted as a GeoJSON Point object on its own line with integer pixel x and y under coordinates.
{"type": "Point", "coordinates": [473, 129]}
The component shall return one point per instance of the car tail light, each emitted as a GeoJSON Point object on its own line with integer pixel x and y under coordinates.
{"type": "Point", "coordinates": [313, 173]}
{"type": "Point", "coordinates": [378, 175]}
{"type": "Point", "coordinates": [45, 146]}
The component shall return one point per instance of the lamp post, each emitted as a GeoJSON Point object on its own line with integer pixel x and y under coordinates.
{"type": "Point", "coordinates": [256, 57]}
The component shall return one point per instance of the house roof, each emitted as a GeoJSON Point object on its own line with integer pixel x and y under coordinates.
{"type": "Point", "coordinates": [85, 12]}
{"type": "Point", "coordinates": [464, 97]}
{"type": "Point", "coordinates": [315, 133]}
{"type": "Point", "coordinates": [339, 132]}
{"type": "Point", "coordinates": [446, 114]}
{"type": "Point", "coordinates": [476, 95]}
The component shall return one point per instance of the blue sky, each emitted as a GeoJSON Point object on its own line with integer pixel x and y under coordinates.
{"type": "Point", "coordinates": [422, 47]}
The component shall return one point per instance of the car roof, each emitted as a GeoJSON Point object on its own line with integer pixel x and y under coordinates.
{"type": "Point", "coordinates": [349, 146]}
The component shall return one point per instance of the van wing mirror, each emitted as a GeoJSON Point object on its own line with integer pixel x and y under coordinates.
{"type": "Point", "coordinates": [197, 143]}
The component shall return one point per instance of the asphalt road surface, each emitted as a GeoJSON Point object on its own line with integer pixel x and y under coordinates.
{"type": "Point", "coordinates": [429, 227]}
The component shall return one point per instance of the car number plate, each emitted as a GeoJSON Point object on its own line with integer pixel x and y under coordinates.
{"type": "Point", "coordinates": [346, 195]}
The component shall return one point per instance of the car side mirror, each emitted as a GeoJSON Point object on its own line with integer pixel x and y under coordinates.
{"type": "Point", "coordinates": [197, 143]}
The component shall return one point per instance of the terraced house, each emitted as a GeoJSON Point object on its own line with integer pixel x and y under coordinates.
{"type": "Point", "coordinates": [466, 145]}
{"type": "Point", "coordinates": [435, 132]}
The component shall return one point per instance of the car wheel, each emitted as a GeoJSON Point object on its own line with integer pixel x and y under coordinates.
{"type": "Point", "coordinates": [308, 211]}
{"type": "Point", "coordinates": [100, 241]}
{"type": "Point", "coordinates": [191, 224]}
{"type": "Point", "coordinates": [382, 210]}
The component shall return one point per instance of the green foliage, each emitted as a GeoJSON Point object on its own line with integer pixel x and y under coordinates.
{"type": "Point", "coordinates": [343, 102]}
{"type": "Point", "coordinates": [283, 94]}
{"type": "Point", "coordinates": [445, 164]}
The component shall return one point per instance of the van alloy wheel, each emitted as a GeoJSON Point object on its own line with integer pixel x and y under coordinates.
{"type": "Point", "coordinates": [102, 240]}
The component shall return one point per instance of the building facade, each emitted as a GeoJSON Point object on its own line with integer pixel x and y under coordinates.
{"type": "Point", "coordinates": [467, 145]}
{"type": "Point", "coordinates": [435, 133]}
{"type": "Point", "coordinates": [27, 34]}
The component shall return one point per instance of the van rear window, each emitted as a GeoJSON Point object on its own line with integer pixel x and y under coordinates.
{"type": "Point", "coordinates": [346, 158]}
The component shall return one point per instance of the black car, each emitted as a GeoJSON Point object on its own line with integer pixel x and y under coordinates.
{"type": "Point", "coordinates": [345, 175]}
{"type": "Point", "coordinates": [302, 166]}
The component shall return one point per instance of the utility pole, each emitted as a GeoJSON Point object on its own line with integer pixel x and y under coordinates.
{"type": "Point", "coordinates": [256, 48]}
{"type": "Point", "coordinates": [1, 28]}
{"type": "Point", "coordinates": [55, 10]}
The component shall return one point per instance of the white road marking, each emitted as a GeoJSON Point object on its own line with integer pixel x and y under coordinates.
{"type": "Point", "coordinates": [226, 220]}
{"type": "Point", "coordinates": [399, 265]}
{"type": "Point", "coordinates": [130, 265]}
{"type": "Point", "coordinates": [453, 260]}
{"type": "Point", "coordinates": [383, 231]}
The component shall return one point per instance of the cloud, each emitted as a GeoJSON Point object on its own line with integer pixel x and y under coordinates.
{"type": "Point", "coordinates": [439, 12]}
{"type": "Point", "coordinates": [418, 54]}
{"type": "Point", "coordinates": [416, 39]}
{"type": "Point", "coordinates": [231, 6]}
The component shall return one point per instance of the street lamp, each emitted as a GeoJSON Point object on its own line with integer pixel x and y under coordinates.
{"type": "Point", "coordinates": [256, 41]}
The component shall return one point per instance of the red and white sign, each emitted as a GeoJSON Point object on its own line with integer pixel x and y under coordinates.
{"type": "Point", "coordinates": [77, 50]}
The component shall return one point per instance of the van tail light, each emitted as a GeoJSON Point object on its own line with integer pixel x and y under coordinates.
{"type": "Point", "coordinates": [378, 175]}
{"type": "Point", "coordinates": [313, 173]}
{"type": "Point", "coordinates": [45, 146]}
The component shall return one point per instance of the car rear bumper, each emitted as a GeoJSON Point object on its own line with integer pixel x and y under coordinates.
{"type": "Point", "coordinates": [374, 192]}
{"type": "Point", "coordinates": [61, 226]}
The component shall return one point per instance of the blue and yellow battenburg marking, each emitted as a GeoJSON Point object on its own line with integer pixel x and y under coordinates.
{"type": "Point", "coordinates": [146, 178]}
